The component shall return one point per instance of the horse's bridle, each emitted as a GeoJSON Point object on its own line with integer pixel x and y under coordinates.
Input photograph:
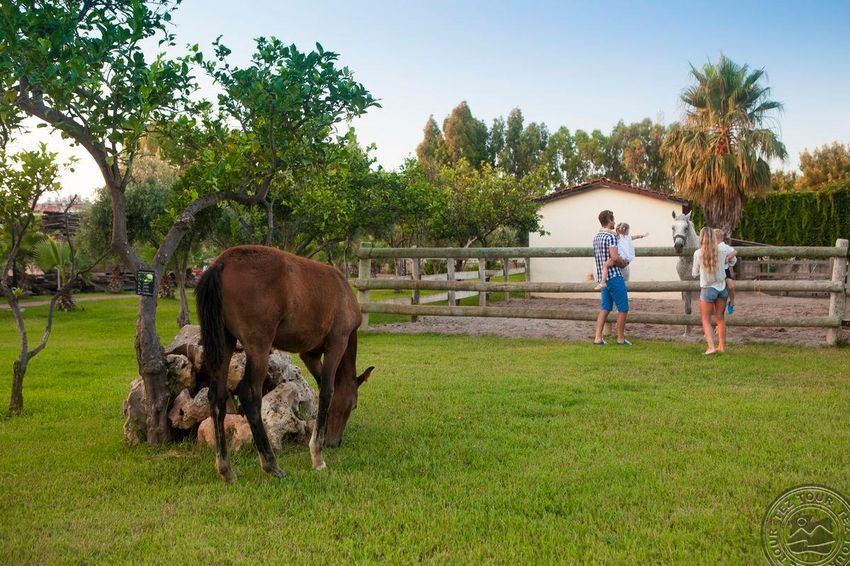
{"type": "Point", "coordinates": [683, 237]}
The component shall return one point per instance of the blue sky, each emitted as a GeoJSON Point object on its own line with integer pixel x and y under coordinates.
{"type": "Point", "coordinates": [579, 64]}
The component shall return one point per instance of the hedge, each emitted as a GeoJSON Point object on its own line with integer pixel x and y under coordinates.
{"type": "Point", "coordinates": [799, 218]}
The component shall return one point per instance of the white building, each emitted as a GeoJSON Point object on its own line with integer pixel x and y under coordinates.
{"type": "Point", "coordinates": [571, 218]}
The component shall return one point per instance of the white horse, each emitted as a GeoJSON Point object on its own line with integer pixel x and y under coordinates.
{"type": "Point", "coordinates": [685, 236]}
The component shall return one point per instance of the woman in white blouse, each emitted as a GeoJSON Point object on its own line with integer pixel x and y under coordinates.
{"type": "Point", "coordinates": [708, 265]}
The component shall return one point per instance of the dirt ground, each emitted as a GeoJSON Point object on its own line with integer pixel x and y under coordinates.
{"type": "Point", "coordinates": [747, 303]}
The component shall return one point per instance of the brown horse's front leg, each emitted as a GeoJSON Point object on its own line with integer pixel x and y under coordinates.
{"type": "Point", "coordinates": [333, 356]}
{"type": "Point", "coordinates": [218, 408]}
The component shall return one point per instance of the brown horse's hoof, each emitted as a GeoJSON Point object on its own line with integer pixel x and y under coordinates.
{"type": "Point", "coordinates": [276, 472]}
{"type": "Point", "coordinates": [224, 471]}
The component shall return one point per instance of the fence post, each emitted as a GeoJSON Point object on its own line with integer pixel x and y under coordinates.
{"type": "Point", "coordinates": [450, 276]}
{"type": "Point", "coordinates": [417, 276]}
{"type": "Point", "coordinates": [482, 276]}
{"type": "Point", "coordinates": [527, 274]}
{"type": "Point", "coordinates": [364, 271]}
{"type": "Point", "coordinates": [838, 299]}
{"type": "Point", "coordinates": [506, 271]}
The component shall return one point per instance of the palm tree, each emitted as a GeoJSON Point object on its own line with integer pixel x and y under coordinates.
{"type": "Point", "coordinates": [51, 254]}
{"type": "Point", "coordinates": [719, 155]}
{"type": "Point", "coordinates": [27, 245]}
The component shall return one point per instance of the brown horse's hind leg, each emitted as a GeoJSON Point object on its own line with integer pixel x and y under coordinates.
{"type": "Point", "coordinates": [218, 409]}
{"type": "Point", "coordinates": [332, 358]}
{"type": "Point", "coordinates": [250, 397]}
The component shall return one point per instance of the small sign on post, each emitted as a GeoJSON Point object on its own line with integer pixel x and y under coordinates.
{"type": "Point", "coordinates": [145, 283]}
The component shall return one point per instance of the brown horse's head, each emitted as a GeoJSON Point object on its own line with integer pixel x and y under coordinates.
{"type": "Point", "coordinates": [344, 401]}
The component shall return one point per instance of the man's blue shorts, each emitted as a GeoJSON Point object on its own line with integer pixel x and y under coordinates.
{"type": "Point", "coordinates": [615, 293]}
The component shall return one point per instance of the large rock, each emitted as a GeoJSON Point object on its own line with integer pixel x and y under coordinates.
{"type": "Point", "coordinates": [181, 372]}
{"type": "Point", "coordinates": [236, 430]}
{"type": "Point", "coordinates": [189, 335]}
{"type": "Point", "coordinates": [189, 411]}
{"type": "Point", "coordinates": [288, 413]}
{"type": "Point", "coordinates": [282, 369]}
{"type": "Point", "coordinates": [188, 343]}
{"type": "Point", "coordinates": [236, 371]}
{"type": "Point", "coordinates": [289, 406]}
{"type": "Point", "coordinates": [136, 414]}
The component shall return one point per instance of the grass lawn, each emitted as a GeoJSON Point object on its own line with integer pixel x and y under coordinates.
{"type": "Point", "coordinates": [462, 450]}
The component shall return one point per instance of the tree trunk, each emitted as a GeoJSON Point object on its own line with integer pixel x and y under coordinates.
{"type": "Point", "coordinates": [183, 315]}
{"type": "Point", "coordinates": [152, 368]}
{"type": "Point", "coordinates": [19, 367]}
{"type": "Point", "coordinates": [66, 300]}
{"type": "Point", "coordinates": [16, 403]}
{"type": "Point", "coordinates": [723, 211]}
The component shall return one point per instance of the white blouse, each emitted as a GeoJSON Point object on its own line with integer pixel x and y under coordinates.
{"type": "Point", "coordinates": [717, 279]}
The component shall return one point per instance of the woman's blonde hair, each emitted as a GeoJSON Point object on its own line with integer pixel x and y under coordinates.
{"type": "Point", "coordinates": [719, 235]}
{"type": "Point", "coordinates": [623, 228]}
{"type": "Point", "coordinates": [708, 249]}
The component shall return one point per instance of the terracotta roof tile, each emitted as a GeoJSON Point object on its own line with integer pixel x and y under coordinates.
{"type": "Point", "coordinates": [564, 192]}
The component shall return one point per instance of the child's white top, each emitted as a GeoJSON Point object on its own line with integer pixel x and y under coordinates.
{"type": "Point", "coordinates": [626, 248]}
{"type": "Point", "coordinates": [725, 250]}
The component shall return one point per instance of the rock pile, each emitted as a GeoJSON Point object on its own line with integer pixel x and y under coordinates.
{"type": "Point", "coordinates": [289, 404]}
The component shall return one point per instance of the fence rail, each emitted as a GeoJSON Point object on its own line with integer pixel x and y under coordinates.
{"type": "Point", "coordinates": [541, 287]}
{"type": "Point", "coordinates": [571, 314]}
{"type": "Point", "coordinates": [836, 286]}
{"type": "Point", "coordinates": [367, 252]}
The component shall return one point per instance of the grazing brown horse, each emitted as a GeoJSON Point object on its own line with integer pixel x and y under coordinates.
{"type": "Point", "coordinates": [267, 298]}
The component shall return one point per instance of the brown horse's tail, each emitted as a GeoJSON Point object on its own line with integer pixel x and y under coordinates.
{"type": "Point", "coordinates": [211, 315]}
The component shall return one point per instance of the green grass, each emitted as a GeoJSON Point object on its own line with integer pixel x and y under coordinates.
{"type": "Point", "coordinates": [462, 450]}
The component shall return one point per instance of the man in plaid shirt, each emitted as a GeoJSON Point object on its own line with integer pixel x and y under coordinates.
{"type": "Point", "coordinates": [604, 247]}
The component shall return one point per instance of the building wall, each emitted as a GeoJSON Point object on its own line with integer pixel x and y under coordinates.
{"type": "Point", "coordinates": [573, 222]}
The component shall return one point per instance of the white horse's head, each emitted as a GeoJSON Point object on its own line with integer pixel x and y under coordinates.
{"type": "Point", "coordinates": [682, 228]}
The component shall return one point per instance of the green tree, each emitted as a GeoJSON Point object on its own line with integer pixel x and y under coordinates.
{"type": "Point", "coordinates": [411, 201]}
{"type": "Point", "coordinates": [24, 178]}
{"type": "Point", "coordinates": [532, 145]}
{"type": "Point", "coordinates": [79, 67]}
{"type": "Point", "coordinates": [509, 158]}
{"type": "Point", "coordinates": [635, 155]}
{"type": "Point", "coordinates": [826, 164]}
{"type": "Point", "coordinates": [476, 203]}
{"type": "Point", "coordinates": [719, 155]}
{"type": "Point", "coordinates": [783, 181]}
{"type": "Point", "coordinates": [591, 155]}
{"type": "Point", "coordinates": [26, 253]}
{"type": "Point", "coordinates": [561, 159]}
{"type": "Point", "coordinates": [496, 141]}
{"type": "Point", "coordinates": [466, 136]}
{"type": "Point", "coordinates": [149, 203]}
{"type": "Point", "coordinates": [432, 152]}
{"type": "Point", "coordinates": [55, 255]}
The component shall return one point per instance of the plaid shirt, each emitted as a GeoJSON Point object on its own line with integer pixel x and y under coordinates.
{"type": "Point", "coordinates": [601, 253]}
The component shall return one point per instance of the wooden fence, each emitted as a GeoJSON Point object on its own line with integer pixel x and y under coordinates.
{"type": "Point", "coordinates": [836, 286]}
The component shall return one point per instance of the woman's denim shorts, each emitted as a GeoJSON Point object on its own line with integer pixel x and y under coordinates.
{"type": "Point", "coordinates": [710, 294]}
